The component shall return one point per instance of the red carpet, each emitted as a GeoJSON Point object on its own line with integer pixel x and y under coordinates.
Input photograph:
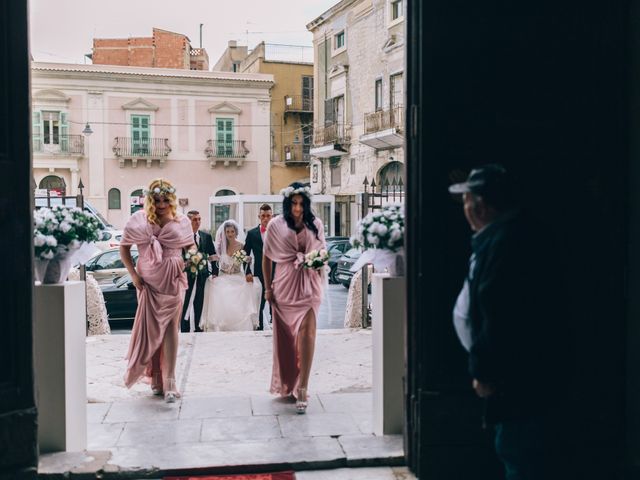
{"type": "Point", "coordinates": [249, 476]}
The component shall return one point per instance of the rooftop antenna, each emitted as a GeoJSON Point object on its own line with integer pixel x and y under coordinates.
{"type": "Point", "coordinates": [201, 34]}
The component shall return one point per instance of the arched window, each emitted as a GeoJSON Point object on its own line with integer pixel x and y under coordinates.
{"type": "Point", "coordinates": [114, 199]}
{"type": "Point", "coordinates": [392, 174]}
{"type": "Point", "coordinates": [54, 183]}
{"type": "Point", "coordinates": [221, 213]}
{"type": "Point", "coordinates": [136, 200]}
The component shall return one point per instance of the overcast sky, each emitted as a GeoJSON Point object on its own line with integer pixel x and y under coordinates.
{"type": "Point", "coordinates": [62, 31]}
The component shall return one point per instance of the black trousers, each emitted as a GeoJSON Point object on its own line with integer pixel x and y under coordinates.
{"type": "Point", "coordinates": [262, 304]}
{"type": "Point", "coordinates": [198, 303]}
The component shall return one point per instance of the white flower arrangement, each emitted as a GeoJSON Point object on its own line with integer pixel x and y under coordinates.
{"type": "Point", "coordinates": [62, 229]}
{"type": "Point", "coordinates": [240, 257]}
{"type": "Point", "coordinates": [316, 259]}
{"type": "Point", "coordinates": [381, 230]}
{"type": "Point", "coordinates": [289, 191]}
{"type": "Point", "coordinates": [161, 190]}
{"type": "Point", "coordinates": [195, 262]}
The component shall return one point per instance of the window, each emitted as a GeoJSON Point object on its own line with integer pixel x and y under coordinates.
{"type": "Point", "coordinates": [140, 134]}
{"type": "Point", "coordinates": [307, 93]}
{"type": "Point", "coordinates": [114, 199]}
{"type": "Point", "coordinates": [336, 175]}
{"type": "Point", "coordinates": [107, 261]}
{"type": "Point", "coordinates": [396, 91]}
{"type": "Point", "coordinates": [334, 111]}
{"type": "Point", "coordinates": [307, 138]}
{"type": "Point", "coordinates": [338, 40]}
{"type": "Point", "coordinates": [50, 129]}
{"type": "Point", "coordinates": [224, 137]}
{"type": "Point", "coordinates": [390, 173]}
{"type": "Point", "coordinates": [378, 94]}
{"type": "Point", "coordinates": [54, 183]}
{"type": "Point", "coordinates": [314, 173]}
{"type": "Point", "coordinates": [396, 9]}
{"type": "Point", "coordinates": [352, 166]}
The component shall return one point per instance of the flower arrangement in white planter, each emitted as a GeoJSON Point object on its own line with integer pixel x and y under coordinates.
{"type": "Point", "coordinates": [381, 235]}
{"type": "Point", "coordinates": [61, 236]}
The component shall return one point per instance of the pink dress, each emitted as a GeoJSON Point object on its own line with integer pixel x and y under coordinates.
{"type": "Point", "coordinates": [161, 267]}
{"type": "Point", "coordinates": [296, 290]}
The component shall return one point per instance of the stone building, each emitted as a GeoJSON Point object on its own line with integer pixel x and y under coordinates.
{"type": "Point", "coordinates": [291, 103]}
{"type": "Point", "coordinates": [208, 132]}
{"type": "Point", "coordinates": [359, 57]}
{"type": "Point", "coordinates": [163, 49]}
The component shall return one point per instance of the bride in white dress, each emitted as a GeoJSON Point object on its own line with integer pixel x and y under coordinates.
{"type": "Point", "coordinates": [230, 302]}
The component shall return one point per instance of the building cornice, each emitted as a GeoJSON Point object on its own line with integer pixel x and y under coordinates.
{"type": "Point", "coordinates": [118, 73]}
{"type": "Point", "coordinates": [337, 8]}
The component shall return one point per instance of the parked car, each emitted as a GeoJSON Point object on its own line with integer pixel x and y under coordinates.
{"type": "Point", "coordinates": [121, 300]}
{"type": "Point", "coordinates": [109, 239]}
{"type": "Point", "coordinates": [343, 272]}
{"type": "Point", "coordinates": [336, 247]}
{"type": "Point", "coordinates": [107, 266]}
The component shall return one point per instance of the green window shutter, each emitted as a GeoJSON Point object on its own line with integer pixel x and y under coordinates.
{"type": "Point", "coordinates": [224, 137]}
{"type": "Point", "coordinates": [36, 128]}
{"type": "Point", "coordinates": [64, 132]}
{"type": "Point", "coordinates": [140, 134]}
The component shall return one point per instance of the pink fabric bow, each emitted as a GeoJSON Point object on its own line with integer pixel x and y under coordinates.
{"type": "Point", "coordinates": [297, 263]}
{"type": "Point", "coordinates": [155, 250]}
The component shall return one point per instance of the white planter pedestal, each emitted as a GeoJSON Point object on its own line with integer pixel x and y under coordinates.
{"type": "Point", "coordinates": [388, 353]}
{"type": "Point", "coordinates": [60, 366]}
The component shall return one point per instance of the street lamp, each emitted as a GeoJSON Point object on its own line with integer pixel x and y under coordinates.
{"type": "Point", "coordinates": [87, 130]}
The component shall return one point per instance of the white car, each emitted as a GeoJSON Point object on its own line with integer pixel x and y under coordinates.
{"type": "Point", "coordinates": [109, 239]}
{"type": "Point", "coordinates": [107, 266]}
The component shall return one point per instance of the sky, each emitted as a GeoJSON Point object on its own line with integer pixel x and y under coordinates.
{"type": "Point", "coordinates": [62, 31]}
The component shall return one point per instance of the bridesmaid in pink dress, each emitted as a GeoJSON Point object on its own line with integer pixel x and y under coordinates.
{"type": "Point", "coordinates": [295, 293]}
{"type": "Point", "coordinates": [160, 234]}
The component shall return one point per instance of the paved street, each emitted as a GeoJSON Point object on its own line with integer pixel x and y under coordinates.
{"type": "Point", "coordinates": [331, 312]}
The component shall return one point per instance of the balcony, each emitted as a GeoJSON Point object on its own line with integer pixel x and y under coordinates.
{"type": "Point", "coordinates": [331, 141]}
{"type": "Point", "coordinates": [125, 148]}
{"type": "Point", "coordinates": [298, 104]}
{"type": "Point", "coordinates": [297, 154]}
{"type": "Point", "coordinates": [63, 145]}
{"type": "Point", "coordinates": [227, 152]}
{"type": "Point", "coordinates": [384, 129]}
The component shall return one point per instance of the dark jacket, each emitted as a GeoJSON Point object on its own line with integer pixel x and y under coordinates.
{"type": "Point", "coordinates": [206, 246]}
{"type": "Point", "coordinates": [518, 323]}
{"type": "Point", "coordinates": [253, 247]}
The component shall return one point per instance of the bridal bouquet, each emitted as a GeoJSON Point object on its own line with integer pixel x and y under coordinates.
{"type": "Point", "coordinates": [195, 262]}
{"type": "Point", "coordinates": [61, 236]}
{"type": "Point", "coordinates": [240, 257]}
{"type": "Point", "coordinates": [316, 259]}
{"type": "Point", "coordinates": [381, 235]}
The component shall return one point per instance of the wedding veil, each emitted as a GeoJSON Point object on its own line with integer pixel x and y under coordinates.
{"type": "Point", "coordinates": [221, 238]}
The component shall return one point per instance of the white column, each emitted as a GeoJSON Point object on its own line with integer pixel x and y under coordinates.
{"type": "Point", "coordinates": [388, 353]}
{"type": "Point", "coordinates": [74, 181]}
{"type": "Point", "coordinates": [96, 147]}
{"type": "Point", "coordinates": [60, 366]}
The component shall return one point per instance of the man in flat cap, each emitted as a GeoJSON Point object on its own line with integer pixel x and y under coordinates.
{"type": "Point", "coordinates": [509, 317]}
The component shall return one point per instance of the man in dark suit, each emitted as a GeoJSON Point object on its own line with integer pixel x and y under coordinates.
{"type": "Point", "coordinates": [194, 297]}
{"type": "Point", "coordinates": [253, 247]}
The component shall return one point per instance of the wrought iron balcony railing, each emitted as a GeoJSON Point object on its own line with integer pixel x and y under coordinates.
{"type": "Point", "coordinates": [228, 150]}
{"type": "Point", "coordinates": [127, 147]}
{"type": "Point", "coordinates": [297, 153]}
{"type": "Point", "coordinates": [384, 120]}
{"type": "Point", "coordinates": [298, 103]}
{"type": "Point", "coordinates": [338, 133]}
{"type": "Point", "coordinates": [59, 144]}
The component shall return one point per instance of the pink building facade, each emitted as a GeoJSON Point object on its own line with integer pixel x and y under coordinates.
{"type": "Point", "coordinates": [207, 132]}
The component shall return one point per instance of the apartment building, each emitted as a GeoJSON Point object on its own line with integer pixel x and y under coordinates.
{"type": "Point", "coordinates": [208, 132]}
{"type": "Point", "coordinates": [291, 103]}
{"type": "Point", "coordinates": [359, 58]}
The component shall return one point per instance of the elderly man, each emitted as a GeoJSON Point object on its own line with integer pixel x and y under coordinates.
{"type": "Point", "coordinates": [509, 318]}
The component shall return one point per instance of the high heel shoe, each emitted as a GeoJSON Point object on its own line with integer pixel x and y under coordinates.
{"type": "Point", "coordinates": [301, 401]}
{"type": "Point", "coordinates": [171, 394]}
{"type": "Point", "coordinates": [156, 384]}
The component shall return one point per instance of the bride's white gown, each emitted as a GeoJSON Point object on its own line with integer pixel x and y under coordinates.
{"type": "Point", "coordinates": [230, 302]}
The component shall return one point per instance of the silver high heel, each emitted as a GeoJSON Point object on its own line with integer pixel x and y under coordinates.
{"type": "Point", "coordinates": [171, 394]}
{"type": "Point", "coordinates": [156, 384]}
{"type": "Point", "coordinates": [301, 405]}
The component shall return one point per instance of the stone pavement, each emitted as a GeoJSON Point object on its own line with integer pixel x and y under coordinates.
{"type": "Point", "coordinates": [226, 418]}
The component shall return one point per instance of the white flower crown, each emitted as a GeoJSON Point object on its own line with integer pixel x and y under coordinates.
{"type": "Point", "coordinates": [161, 190]}
{"type": "Point", "coordinates": [287, 192]}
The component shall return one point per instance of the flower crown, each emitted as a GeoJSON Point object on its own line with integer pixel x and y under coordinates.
{"type": "Point", "coordinates": [161, 190]}
{"type": "Point", "coordinates": [289, 191]}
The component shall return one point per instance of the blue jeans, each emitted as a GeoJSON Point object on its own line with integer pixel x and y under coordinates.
{"type": "Point", "coordinates": [529, 450]}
